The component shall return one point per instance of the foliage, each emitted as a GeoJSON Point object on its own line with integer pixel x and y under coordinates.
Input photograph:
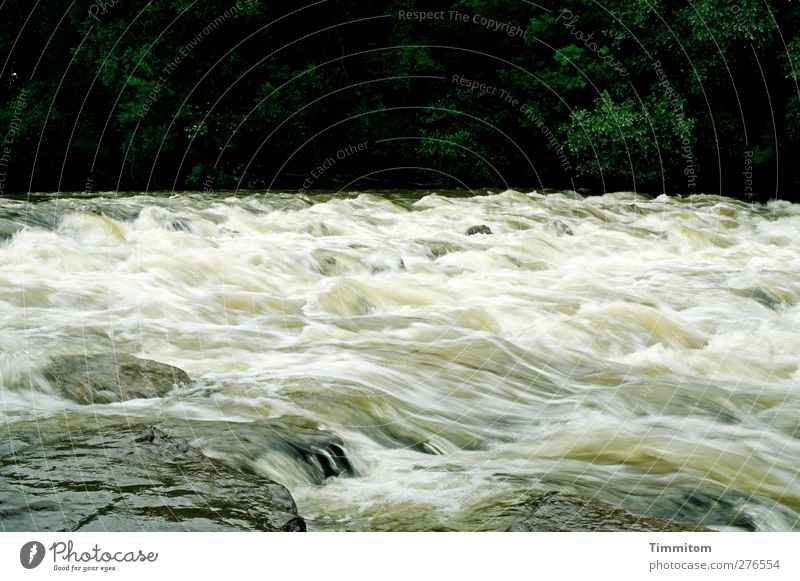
{"type": "Point", "coordinates": [647, 94]}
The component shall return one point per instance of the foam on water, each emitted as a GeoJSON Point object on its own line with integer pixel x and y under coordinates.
{"type": "Point", "coordinates": [642, 351]}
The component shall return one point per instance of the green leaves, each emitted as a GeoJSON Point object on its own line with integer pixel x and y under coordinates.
{"type": "Point", "coordinates": [649, 94]}
{"type": "Point", "coordinates": [623, 139]}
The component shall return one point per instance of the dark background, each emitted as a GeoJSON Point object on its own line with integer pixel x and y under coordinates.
{"type": "Point", "coordinates": [269, 93]}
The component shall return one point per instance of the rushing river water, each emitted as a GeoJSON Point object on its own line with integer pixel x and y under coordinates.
{"type": "Point", "coordinates": [644, 352]}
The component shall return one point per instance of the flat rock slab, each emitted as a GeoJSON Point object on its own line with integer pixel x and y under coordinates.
{"type": "Point", "coordinates": [561, 512]}
{"type": "Point", "coordinates": [112, 377]}
{"type": "Point", "coordinates": [132, 479]}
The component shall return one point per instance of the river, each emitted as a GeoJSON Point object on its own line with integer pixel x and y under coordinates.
{"type": "Point", "coordinates": [643, 352]}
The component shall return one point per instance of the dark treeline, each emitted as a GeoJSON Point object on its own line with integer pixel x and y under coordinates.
{"type": "Point", "coordinates": [655, 96]}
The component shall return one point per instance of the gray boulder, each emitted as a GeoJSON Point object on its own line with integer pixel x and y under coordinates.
{"type": "Point", "coordinates": [478, 229]}
{"type": "Point", "coordinates": [112, 377]}
{"type": "Point", "coordinates": [559, 228]}
{"type": "Point", "coordinates": [131, 479]}
{"type": "Point", "coordinates": [561, 512]}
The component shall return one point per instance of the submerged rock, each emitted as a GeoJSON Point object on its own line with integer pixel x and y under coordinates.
{"type": "Point", "coordinates": [765, 297]}
{"type": "Point", "coordinates": [8, 227]}
{"type": "Point", "coordinates": [280, 448]}
{"type": "Point", "coordinates": [384, 261]}
{"type": "Point", "coordinates": [478, 229]}
{"type": "Point", "coordinates": [561, 512]}
{"type": "Point", "coordinates": [437, 249]}
{"type": "Point", "coordinates": [558, 228]}
{"type": "Point", "coordinates": [132, 479]}
{"type": "Point", "coordinates": [323, 454]}
{"type": "Point", "coordinates": [112, 377]}
{"type": "Point", "coordinates": [180, 225]}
